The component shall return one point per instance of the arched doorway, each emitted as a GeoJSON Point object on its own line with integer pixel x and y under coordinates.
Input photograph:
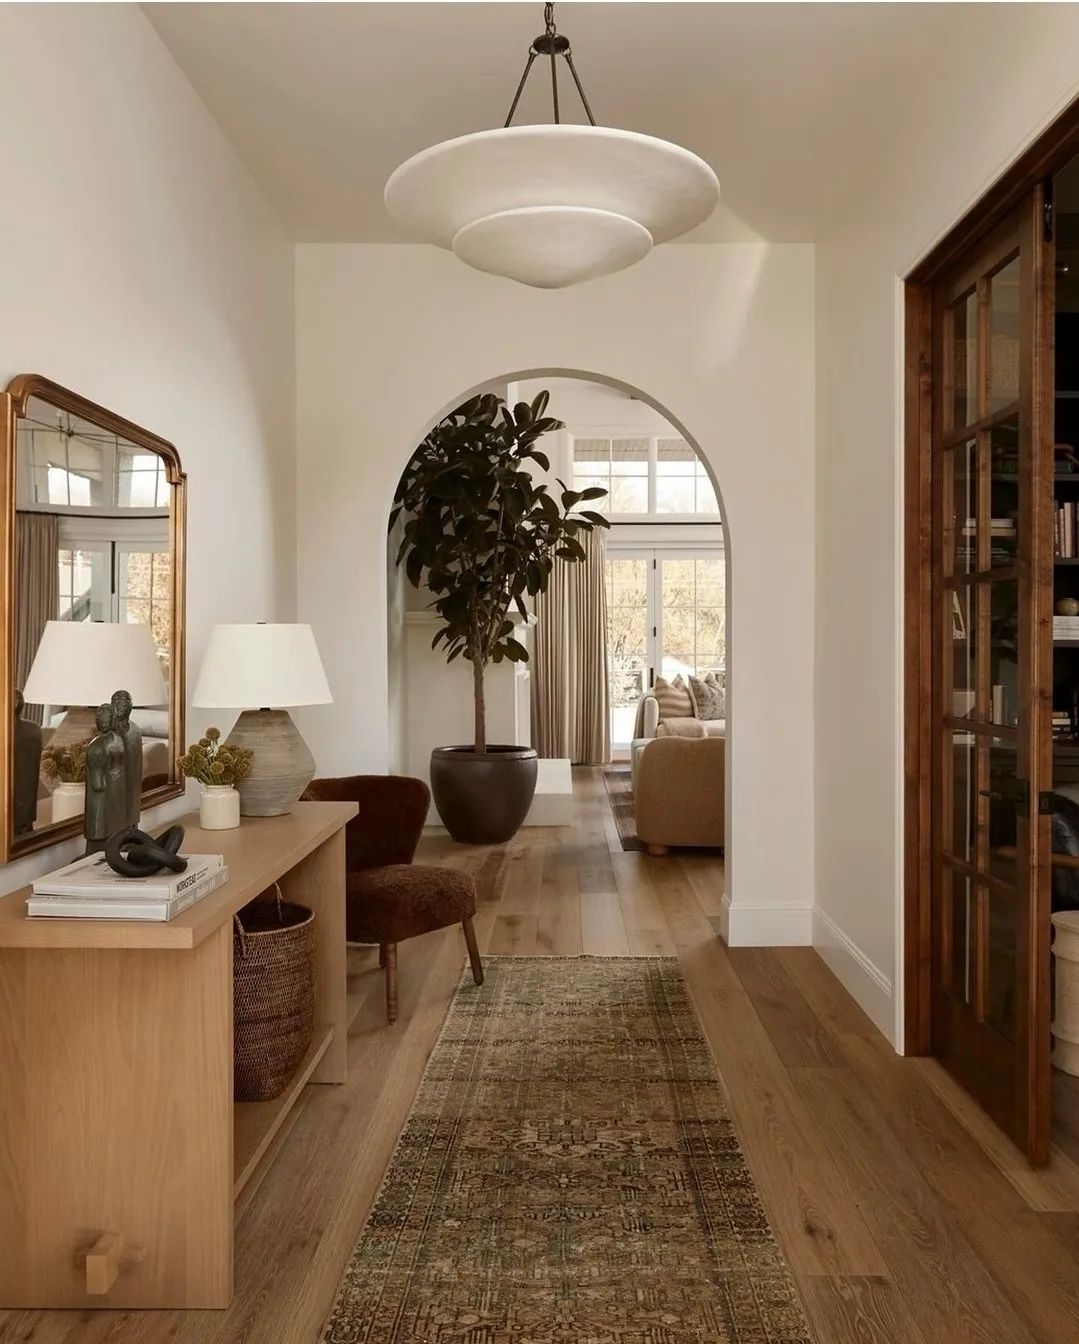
{"type": "Point", "coordinates": [667, 564]}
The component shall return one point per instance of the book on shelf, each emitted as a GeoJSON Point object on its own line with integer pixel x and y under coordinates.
{"type": "Point", "coordinates": [998, 527]}
{"type": "Point", "coordinates": [143, 908]}
{"type": "Point", "coordinates": [89, 889]}
{"type": "Point", "coordinates": [1066, 531]}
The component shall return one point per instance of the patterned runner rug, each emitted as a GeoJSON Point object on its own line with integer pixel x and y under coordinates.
{"type": "Point", "coordinates": [569, 1175]}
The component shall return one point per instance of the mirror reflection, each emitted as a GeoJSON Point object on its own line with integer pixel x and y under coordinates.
{"type": "Point", "coordinates": [93, 606]}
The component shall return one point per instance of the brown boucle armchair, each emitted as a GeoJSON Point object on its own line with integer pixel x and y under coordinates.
{"type": "Point", "coordinates": [388, 898]}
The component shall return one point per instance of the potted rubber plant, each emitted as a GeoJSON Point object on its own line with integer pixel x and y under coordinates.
{"type": "Point", "coordinates": [481, 533]}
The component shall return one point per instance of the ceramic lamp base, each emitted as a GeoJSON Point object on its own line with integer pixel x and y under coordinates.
{"type": "Point", "coordinates": [79, 724]}
{"type": "Point", "coordinates": [282, 766]}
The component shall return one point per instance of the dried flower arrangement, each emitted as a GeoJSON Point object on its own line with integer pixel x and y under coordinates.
{"type": "Point", "coordinates": [214, 762]}
{"type": "Point", "coordinates": [66, 763]}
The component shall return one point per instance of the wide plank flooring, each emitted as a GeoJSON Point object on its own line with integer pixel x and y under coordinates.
{"type": "Point", "coordinates": [905, 1216]}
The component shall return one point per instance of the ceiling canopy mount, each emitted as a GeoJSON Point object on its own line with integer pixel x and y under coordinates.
{"type": "Point", "coordinates": [551, 43]}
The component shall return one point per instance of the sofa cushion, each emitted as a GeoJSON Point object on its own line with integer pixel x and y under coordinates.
{"type": "Point", "coordinates": [713, 727]}
{"type": "Point", "coordinates": [682, 728]}
{"type": "Point", "coordinates": [673, 698]}
{"type": "Point", "coordinates": [709, 697]}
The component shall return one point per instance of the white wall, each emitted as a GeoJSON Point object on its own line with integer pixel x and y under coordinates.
{"type": "Point", "coordinates": [140, 266]}
{"type": "Point", "coordinates": [1005, 82]}
{"type": "Point", "coordinates": [389, 337]}
{"type": "Point", "coordinates": [583, 406]}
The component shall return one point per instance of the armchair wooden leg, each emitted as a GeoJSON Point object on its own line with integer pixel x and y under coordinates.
{"type": "Point", "coordinates": [391, 982]}
{"type": "Point", "coordinates": [473, 949]}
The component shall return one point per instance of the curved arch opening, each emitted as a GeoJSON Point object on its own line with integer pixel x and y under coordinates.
{"type": "Point", "coordinates": [666, 591]}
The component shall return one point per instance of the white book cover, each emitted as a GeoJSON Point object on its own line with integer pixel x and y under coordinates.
{"type": "Point", "coordinates": [92, 876]}
{"type": "Point", "coordinates": [141, 908]}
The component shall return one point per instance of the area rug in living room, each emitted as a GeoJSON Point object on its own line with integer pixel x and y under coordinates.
{"type": "Point", "coordinates": [569, 1174]}
{"type": "Point", "coordinates": [619, 786]}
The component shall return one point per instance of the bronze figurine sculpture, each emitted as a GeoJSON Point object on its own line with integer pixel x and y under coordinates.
{"type": "Point", "coordinates": [131, 736]}
{"type": "Point", "coordinates": [106, 785]}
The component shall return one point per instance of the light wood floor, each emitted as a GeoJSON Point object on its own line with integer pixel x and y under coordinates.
{"type": "Point", "coordinates": [903, 1215]}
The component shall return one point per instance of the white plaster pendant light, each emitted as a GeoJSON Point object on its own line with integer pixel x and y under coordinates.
{"type": "Point", "coordinates": [551, 205]}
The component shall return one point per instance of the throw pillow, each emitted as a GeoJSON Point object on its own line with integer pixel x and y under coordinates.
{"type": "Point", "coordinates": [719, 681]}
{"type": "Point", "coordinates": [673, 698]}
{"type": "Point", "coordinates": [709, 697]}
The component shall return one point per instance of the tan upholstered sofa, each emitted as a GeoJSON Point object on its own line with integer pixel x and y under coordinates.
{"type": "Point", "coordinates": [679, 792]}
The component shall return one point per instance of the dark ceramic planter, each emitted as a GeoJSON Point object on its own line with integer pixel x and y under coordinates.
{"type": "Point", "coordinates": [483, 799]}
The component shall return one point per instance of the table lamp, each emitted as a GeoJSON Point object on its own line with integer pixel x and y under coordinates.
{"type": "Point", "coordinates": [80, 664]}
{"type": "Point", "coordinates": [265, 665]}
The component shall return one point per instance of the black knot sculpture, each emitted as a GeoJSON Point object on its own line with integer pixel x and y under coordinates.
{"type": "Point", "coordinates": [133, 853]}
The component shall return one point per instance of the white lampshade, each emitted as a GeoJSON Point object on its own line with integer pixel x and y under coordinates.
{"type": "Point", "coordinates": [84, 662]}
{"type": "Point", "coordinates": [551, 206]}
{"type": "Point", "coordinates": [261, 666]}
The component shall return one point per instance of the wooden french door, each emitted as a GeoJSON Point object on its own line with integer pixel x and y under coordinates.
{"type": "Point", "coordinates": [992, 556]}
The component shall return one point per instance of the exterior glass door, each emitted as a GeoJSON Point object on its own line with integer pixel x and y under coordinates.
{"type": "Point", "coordinates": [629, 638]}
{"type": "Point", "coordinates": [666, 615]}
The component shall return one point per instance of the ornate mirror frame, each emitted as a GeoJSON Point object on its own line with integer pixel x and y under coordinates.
{"type": "Point", "coordinates": [13, 405]}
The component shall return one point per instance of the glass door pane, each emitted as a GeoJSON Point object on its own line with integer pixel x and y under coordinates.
{"type": "Point", "coordinates": [628, 640]}
{"type": "Point", "coordinates": [144, 594]}
{"type": "Point", "coordinates": [692, 627]}
{"type": "Point", "coordinates": [85, 583]}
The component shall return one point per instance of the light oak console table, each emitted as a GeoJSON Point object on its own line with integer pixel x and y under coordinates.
{"type": "Point", "coordinates": [121, 1150]}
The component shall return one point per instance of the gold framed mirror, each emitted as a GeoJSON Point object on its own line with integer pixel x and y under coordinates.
{"type": "Point", "coordinates": [92, 573]}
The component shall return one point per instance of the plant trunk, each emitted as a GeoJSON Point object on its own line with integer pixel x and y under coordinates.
{"type": "Point", "coordinates": [480, 706]}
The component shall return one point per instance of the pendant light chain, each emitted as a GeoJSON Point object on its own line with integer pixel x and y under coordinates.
{"type": "Point", "coordinates": [551, 44]}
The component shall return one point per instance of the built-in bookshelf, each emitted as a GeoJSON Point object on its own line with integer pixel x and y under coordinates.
{"type": "Point", "coordinates": [1066, 532]}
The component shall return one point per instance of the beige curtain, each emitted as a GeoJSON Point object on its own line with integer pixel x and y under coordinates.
{"type": "Point", "coordinates": [569, 662]}
{"type": "Point", "coordinates": [37, 591]}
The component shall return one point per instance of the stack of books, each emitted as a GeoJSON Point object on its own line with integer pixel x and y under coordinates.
{"type": "Point", "coordinates": [89, 889]}
{"type": "Point", "coordinates": [1066, 536]}
{"type": "Point", "coordinates": [1066, 628]}
{"type": "Point", "coordinates": [1002, 539]}
{"type": "Point", "coordinates": [1062, 726]}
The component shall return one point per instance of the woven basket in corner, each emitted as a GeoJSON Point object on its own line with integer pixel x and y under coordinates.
{"type": "Point", "coordinates": [273, 1001]}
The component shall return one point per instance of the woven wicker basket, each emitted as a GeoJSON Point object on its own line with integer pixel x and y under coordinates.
{"type": "Point", "coordinates": [273, 1000]}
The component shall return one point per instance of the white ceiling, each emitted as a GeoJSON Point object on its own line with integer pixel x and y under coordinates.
{"type": "Point", "coordinates": [790, 103]}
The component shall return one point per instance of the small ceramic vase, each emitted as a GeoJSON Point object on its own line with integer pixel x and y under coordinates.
{"type": "Point", "coordinates": [219, 807]}
{"type": "Point", "coordinates": [68, 800]}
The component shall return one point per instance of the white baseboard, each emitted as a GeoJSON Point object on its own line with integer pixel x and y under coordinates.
{"type": "Point", "coordinates": [865, 982]}
{"type": "Point", "coordinates": [776, 924]}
